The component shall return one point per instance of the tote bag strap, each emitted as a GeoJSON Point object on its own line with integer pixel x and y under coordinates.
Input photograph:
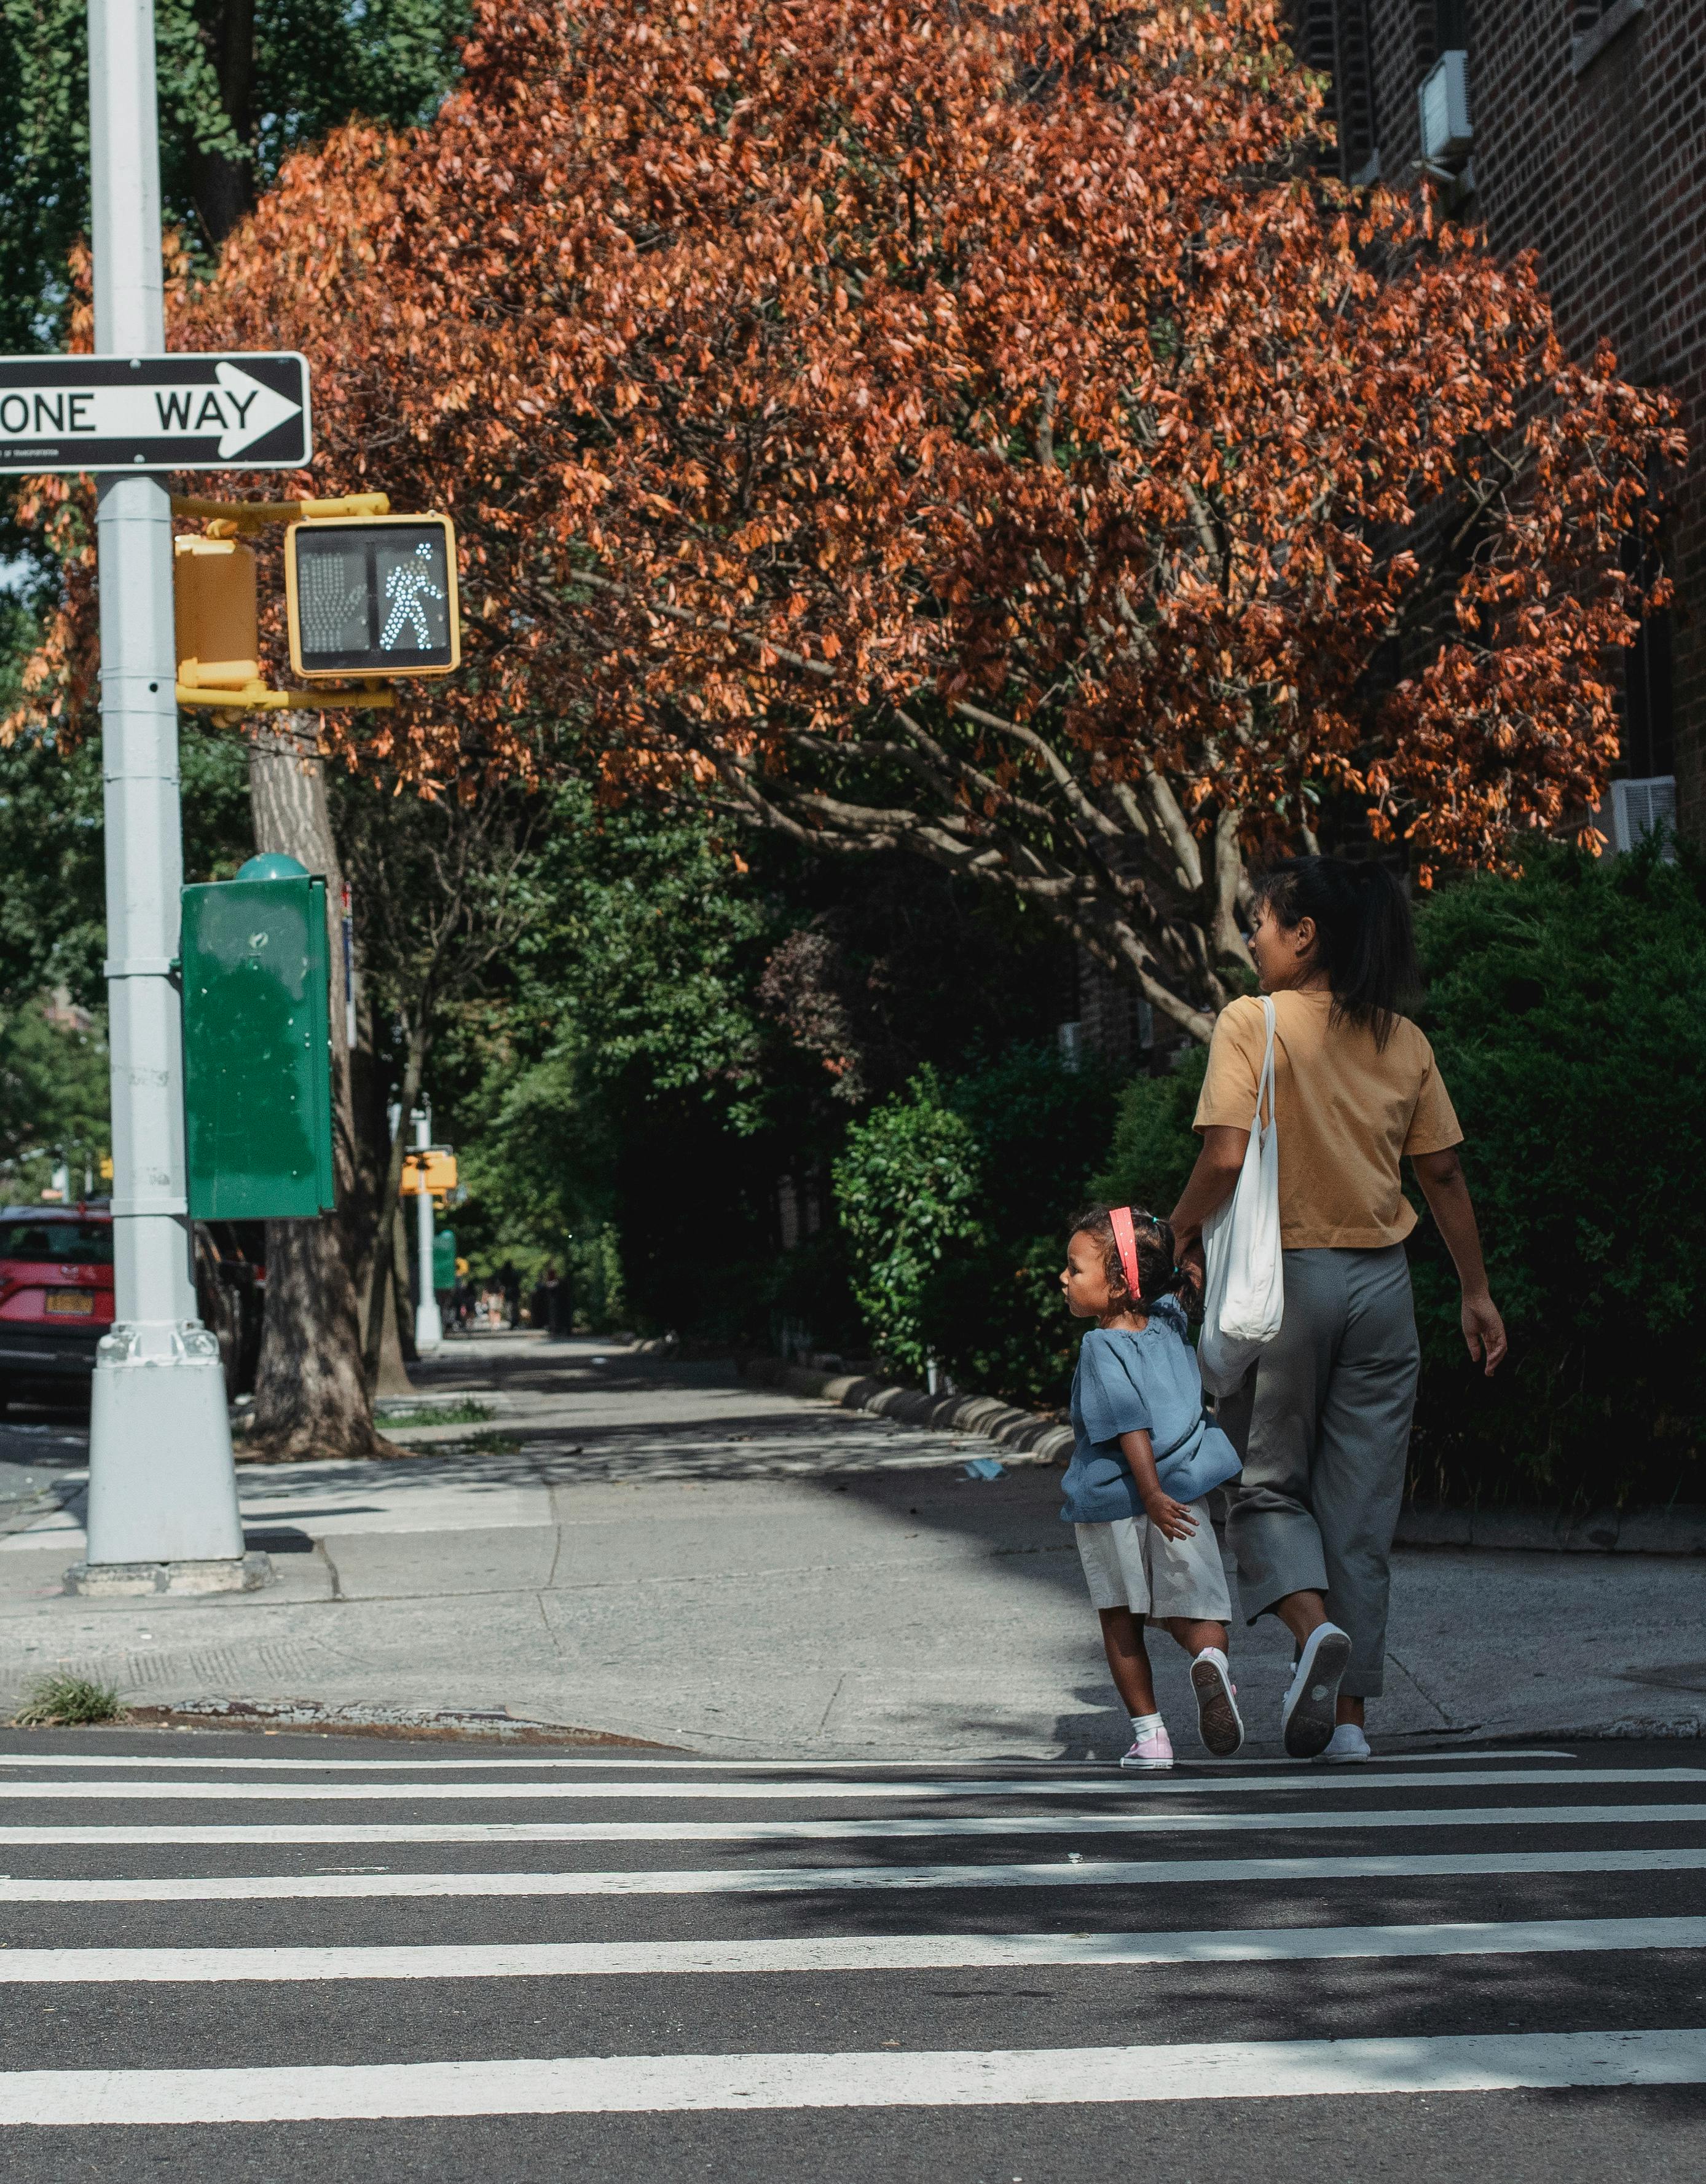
{"type": "Point", "coordinates": [1265, 1082]}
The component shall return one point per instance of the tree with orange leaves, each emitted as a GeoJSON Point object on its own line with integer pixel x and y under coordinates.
{"type": "Point", "coordinates": [972, 429]}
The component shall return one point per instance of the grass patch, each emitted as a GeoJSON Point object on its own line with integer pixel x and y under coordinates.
{"type": "Point", "coordinates": [492, 1444]}
{"type": "Point", "coordinates": [391, 1415]}
{"type": "Point", "coordinates": [65, 1702]}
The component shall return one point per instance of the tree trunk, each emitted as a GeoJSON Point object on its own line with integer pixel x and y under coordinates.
{"type": "Point", "coordinates": [311, 1394]}
{"type": "Point", "coordinates": [406, 1302]}
{"type": "Point", "coordinates": [396, 1350]}
{"type": "Point", "coordinates": [224, 187]}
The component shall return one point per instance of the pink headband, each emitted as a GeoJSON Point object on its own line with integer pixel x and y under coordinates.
{"type": "Point", "coordinates": [1126, 1241]}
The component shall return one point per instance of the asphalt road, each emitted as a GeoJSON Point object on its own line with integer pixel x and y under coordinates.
{"type": "Point", "coordinates": [244, 1957]}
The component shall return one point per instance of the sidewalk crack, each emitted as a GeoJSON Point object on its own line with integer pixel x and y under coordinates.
{"type": "Point", "coordinates": [324, 1552]}
{"type": "Point", "coordinates": [1407, 1670]}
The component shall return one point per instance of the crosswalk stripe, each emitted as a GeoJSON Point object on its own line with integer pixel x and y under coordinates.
{"type": "Point", "coordinates": [111, 1761]}
{"type": "Point", "coordinates": [761, 1880]}
{"type": "Point", "coordinates": [128, 1792]}
{"type": "Point", "coordinates": [1673, 1814]}
{"type": "Point", "coordinates": [584, 2085]}
{"type": "Point", "coordinates": [841, 1952]}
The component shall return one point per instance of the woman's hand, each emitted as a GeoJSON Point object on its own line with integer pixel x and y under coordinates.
{"type": "Point", "coordinates": [1483, 1330]}
{"type": "Point", "coordinates": [1441, 1179]}
{"type": "Point", "coordinates": [1172, 1519]}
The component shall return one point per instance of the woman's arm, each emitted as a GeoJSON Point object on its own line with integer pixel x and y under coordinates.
{"type": "Point", "coordinates": [1172, 1519]}
{"type": "Point", "coordinates": [1445, 1189]}
{"type": "Point", "coordinates": [1210, 1186]}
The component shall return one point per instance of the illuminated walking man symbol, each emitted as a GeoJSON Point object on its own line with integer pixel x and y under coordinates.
{"type": "Point", "coordinates": [406, 586]}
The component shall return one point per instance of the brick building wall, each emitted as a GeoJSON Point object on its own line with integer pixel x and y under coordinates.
{"type": "Point", "coordinates": [1589, 125]}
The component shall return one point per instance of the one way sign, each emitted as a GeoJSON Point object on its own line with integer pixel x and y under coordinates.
{"type": "Point", "coordinates": [154, 413]}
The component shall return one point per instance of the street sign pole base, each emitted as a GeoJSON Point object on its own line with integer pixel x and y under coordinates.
{"type": "Point", "coordinates": [161, 1487]}
{"type": "Point", "coordinates": [122, 1580]}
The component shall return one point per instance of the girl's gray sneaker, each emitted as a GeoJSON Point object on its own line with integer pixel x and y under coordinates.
{"type": "Point", "coordinates": [1306, 1717]}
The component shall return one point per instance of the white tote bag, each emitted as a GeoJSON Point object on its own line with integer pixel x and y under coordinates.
{"type": "Point", "coordinates": [1244, 1289]}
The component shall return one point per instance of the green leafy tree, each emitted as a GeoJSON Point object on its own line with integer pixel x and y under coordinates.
{"type": "Point", "coordinates": [242, 84]}
{"type": "Point", "coordinates": [53, 1101]}
{"type": "Point", "coordinates": [621, 1079]}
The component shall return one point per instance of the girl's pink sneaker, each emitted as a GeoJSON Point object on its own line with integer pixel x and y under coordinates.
{"type": "Point", "coordinates": [1152, 1751]}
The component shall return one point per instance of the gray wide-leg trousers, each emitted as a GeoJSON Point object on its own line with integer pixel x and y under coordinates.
{"type": "Point", "coordinates": [1323, 1423]}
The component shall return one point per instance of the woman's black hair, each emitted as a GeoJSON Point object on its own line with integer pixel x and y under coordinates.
{"type": "Point", "coordinates": [1366, 940]}
{"type": "Point", "coordinates": [1158, 1274]}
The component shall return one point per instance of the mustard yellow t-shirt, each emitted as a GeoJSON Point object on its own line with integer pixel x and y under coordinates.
{"type": "Point", "coordinates": [1347, 1111]}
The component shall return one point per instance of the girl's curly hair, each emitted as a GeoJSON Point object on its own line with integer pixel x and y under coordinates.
{"type": "Point", "coordinates": [1158, 1271]}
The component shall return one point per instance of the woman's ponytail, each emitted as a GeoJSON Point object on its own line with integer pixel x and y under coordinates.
{"type": "Point", "coordinates": [1367, 942]}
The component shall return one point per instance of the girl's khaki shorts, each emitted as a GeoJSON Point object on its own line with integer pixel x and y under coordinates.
{"type": "Point", "coordinates": [1128, 1563]}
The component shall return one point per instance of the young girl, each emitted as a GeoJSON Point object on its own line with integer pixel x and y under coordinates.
{"type": "Point", "coordinates": [1146, 1456]}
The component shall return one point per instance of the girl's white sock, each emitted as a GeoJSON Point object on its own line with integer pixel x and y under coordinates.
{"type": "Point", "coordinates": [1141, 1724]}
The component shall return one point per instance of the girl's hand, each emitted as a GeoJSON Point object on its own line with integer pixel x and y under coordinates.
{"type": "Point", "coordinates": [1172, 1519]}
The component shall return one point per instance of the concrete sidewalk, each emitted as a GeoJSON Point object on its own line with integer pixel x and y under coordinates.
{"type": "Point", "coordinates": [657, 1549]}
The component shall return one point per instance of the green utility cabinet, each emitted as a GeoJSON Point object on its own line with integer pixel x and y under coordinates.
{"type": "Point", "coordinates": [258, 1046]}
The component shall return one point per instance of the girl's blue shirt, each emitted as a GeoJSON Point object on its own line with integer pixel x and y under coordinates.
{"type": "Point", "coordinates": [1146, 1380]}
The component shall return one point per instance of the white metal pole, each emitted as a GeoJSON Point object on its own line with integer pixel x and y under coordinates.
{"type": "Point", "coordinates": [163, 1504]}
{"type": "Point", "coordinates": [429, 1321]}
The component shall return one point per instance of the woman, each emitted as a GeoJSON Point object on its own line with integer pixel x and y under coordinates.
{"type": "Point", "coordinates": [1323, 1419]}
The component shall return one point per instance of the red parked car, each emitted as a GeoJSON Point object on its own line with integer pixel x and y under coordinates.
{"type": "Point", "coordinates": [56, 1295]}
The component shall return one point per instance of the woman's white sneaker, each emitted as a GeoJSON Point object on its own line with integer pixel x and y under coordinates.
{"type": "Point", "coordinates": [1348, 1743]}
{"type": "Point", "coordinates": [1307, 1716]}
{"type": "Point", "coordinates": [1218, 1720]}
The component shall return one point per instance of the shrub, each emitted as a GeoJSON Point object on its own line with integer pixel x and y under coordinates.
{"type": "Point", "coordinates": [1154, 1146]}
{"type": "Point", "coordinates": [1568, 1009]}
{"type": "Point", "coordinates": [908, 1190]}
{"type": "Point", "coordinates": [953, 1197]}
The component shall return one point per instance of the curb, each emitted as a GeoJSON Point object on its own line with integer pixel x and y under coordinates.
{"type": "Point", "coordinates": [1036, 1440]}
{"type": "Point", "coordinates": [1678, 1530]}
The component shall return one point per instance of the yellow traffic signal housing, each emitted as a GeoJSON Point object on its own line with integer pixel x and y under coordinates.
{"type": "Point", "coordinates": [214, 614]}
{"type": "Point", "coordinates": [372, 595]}
{"type": "Point", "coordinates": [433, 1171]}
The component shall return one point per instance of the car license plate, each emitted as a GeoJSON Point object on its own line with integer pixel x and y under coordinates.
{"type": "Point", "coordinates": [74, 1304]}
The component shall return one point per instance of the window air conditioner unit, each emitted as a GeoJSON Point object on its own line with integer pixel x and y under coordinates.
{"type": "Point", "coordinates": [1443, 100]}
{"type": "Point", "coordinates": [1639, 808]}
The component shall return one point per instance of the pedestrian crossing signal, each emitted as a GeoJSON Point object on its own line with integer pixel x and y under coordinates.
{"type": "Point", "coordinates": [372, 595]}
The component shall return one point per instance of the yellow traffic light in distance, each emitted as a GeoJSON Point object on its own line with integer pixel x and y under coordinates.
{"type": "Point", "coordinates": [369, 595]}
{"type": "Point", "coordinates": [433, 1171]}
{"type": "Point", "coordinates": [214, 614]}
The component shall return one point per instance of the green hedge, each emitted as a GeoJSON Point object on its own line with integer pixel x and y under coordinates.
{"type": "Point", "coordinates": [1568, 1010]}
